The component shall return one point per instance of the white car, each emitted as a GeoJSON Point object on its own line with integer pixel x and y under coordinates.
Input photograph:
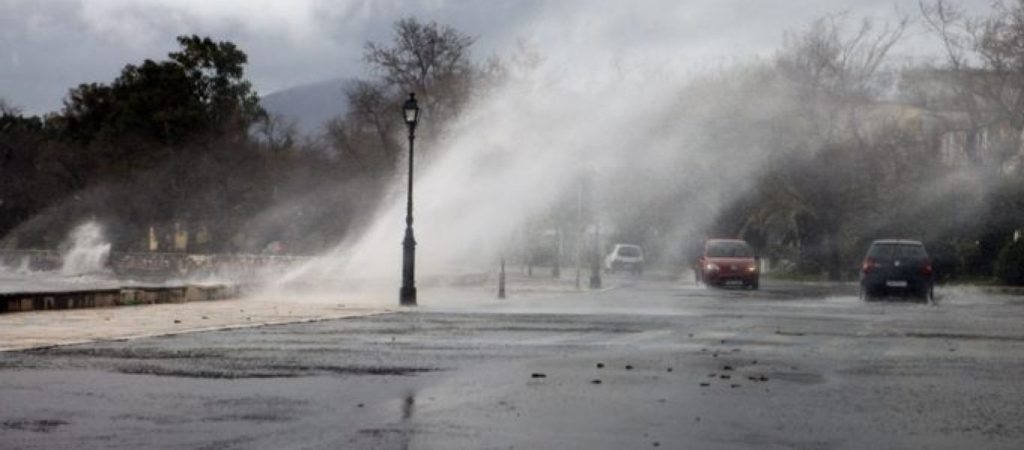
{"type": "Point", "coordinates": [625, 257]}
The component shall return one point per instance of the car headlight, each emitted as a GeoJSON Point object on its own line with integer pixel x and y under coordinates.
{"type": "Point", "coordinates": [711, 267]}
{"type": "Point", "coordinates": [752, 269]}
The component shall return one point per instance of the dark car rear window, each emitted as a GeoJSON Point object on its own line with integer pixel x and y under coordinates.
{"type": "Point", "coordinates": [729, 250]}
{"type": "Point", "coordinates": [888, 252]}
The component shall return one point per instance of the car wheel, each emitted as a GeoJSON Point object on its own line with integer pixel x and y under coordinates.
{"type": "Point", "coordinates": [920, 295]}
{"type": "Point", "coordinates": [755, 284]}
{"type": "Point", "coordinates": [866, 294]}
{"type": "Point", "coordinates": [926, 294]}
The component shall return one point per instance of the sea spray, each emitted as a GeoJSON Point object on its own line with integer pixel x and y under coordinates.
{"type": "Point", "coordinates": [87, 250]}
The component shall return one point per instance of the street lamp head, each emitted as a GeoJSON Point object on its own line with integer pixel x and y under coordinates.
{"type": "Point", "coordinates": [411, 110]}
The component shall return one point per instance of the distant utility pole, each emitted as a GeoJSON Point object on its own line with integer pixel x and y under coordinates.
{"type": "Point", "coordinates": [501, 280]}
{"type": "Point", "coordinates": [580, 230]}
{"type": "Point", "coordinates": [556, 270]}
{"type": "Point", "coordinates": [595, 263]}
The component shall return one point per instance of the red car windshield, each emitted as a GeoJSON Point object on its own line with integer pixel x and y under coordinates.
{"type": "Point", "coordinates": [726, 249]}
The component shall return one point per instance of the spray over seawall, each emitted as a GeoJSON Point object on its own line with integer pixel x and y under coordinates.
{"type": "Point", "coordinates": [86, 250]}
{"type": "Point", "coordinates": [636, 117]}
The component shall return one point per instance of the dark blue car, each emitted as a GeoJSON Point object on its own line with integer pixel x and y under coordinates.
{"type": "Point", "coordinates": [897, 266]}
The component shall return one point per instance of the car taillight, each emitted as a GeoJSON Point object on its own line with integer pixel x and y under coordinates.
{"type": "Point", "coordinates": [868, 266]}
{"type": "Point", "coordinates": [927, 269]}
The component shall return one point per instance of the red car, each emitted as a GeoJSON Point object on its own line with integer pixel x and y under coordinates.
{"type": "Point", "coordinates": [728, 262]}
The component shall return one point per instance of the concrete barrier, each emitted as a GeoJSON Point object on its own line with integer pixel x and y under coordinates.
{"type": "Point", "coordinates": [99, 298]}
{"type": "Point", "coordinates": [1005, 290]}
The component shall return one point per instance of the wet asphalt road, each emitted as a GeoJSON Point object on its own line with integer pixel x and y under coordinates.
{"type": "Point", "coordinates": [647, 364]}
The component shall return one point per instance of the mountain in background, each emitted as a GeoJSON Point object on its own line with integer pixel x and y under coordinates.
{"type": "Point", "coordinates": [309, 105]}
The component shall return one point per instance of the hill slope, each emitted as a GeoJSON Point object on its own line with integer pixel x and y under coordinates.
{"type": "Point", "coordinates": [309, 105]}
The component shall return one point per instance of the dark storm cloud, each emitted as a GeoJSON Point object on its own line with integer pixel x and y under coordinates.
{"type": "Point", "coordinates": [48, 47]}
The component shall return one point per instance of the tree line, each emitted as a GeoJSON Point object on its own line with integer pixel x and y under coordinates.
{"type": "Point", "coordinates": [861, 147]}
{"type": "Point", "coordinates": [869, 149]}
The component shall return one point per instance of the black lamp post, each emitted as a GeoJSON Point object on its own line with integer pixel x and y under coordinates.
{"type": "Point", "coordinates": [407, 295]}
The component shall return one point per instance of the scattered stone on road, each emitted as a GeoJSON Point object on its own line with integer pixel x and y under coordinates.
{"type": "Point", "coordinates": [864, 384]}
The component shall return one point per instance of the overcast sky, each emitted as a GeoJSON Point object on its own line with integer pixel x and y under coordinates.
{"type": "Point", "coordinates": [49, 46]}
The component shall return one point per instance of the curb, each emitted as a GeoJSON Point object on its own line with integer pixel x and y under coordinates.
{"type": "Point", "coordinates": [191, 330]}
{"type": "Point", "coordinates": [1005, 290]}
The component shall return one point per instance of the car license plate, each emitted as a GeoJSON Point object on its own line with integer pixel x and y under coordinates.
{"type": "Point", "coordinates": [734, 282]}
{"type": "Point", "coordinates": [899, 283]}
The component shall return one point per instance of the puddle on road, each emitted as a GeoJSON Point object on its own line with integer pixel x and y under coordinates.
{"type": "Point", "coordinates": [272, 371]}
{"type": "Point", "coordinates": [33, 425]}
{"type": "Point", "coordinates": [797, 377]}
{"type": "Point", "coordinates": [964, 336]}
{"type": "Point", "coordinates": [399, 435]}
{"type": "Point", "coordinates": [844, 300]}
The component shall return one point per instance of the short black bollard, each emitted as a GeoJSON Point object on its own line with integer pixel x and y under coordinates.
{"type": "Point", "coordinates": [501, 280]}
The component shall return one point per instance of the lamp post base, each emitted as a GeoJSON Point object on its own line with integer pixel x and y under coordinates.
{"type": "Point", "coordinates": [407, 296]}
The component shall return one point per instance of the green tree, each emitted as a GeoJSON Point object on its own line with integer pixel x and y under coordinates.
{"type": "Point", "coordinates": [1009, 266]}
{"type": "Point", "coordinates": [174, 137]}
{"type": "Point", "coordinates": [216, 70]}
{"type": "Point", "coordinates": [199, 92]}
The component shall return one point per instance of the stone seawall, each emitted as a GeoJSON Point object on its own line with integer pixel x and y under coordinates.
{"type": "Point", "coordinates": [162, 265]}
{"type": "Point", "coordinates": [35, 260]}
{"type": "Point", "coordinates": [98, 298]}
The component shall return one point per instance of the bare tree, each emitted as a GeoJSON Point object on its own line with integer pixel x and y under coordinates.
{"type": "Point", "coordinates": [426, 58]}
{"type": "Point", "coordinates": [985, 58]}
{"type": "Point", "coordinates": [835, 76]}
{"type": "Point", "coordinates": [277, 133]}
{"type": "Point", "coordinates": [835, 71]}
{"type": "Point", "coordinates": [373, 111]}
{"type": "Point", "coordinates": [429, 59]}
{"type": "Point", "coordinates": [984, 74]}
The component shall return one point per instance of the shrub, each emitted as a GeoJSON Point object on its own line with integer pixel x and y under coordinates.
{"type": "Point", "coordinates": [1009, 266]}
{"type": "Point", "coordinates": [945, 259]}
